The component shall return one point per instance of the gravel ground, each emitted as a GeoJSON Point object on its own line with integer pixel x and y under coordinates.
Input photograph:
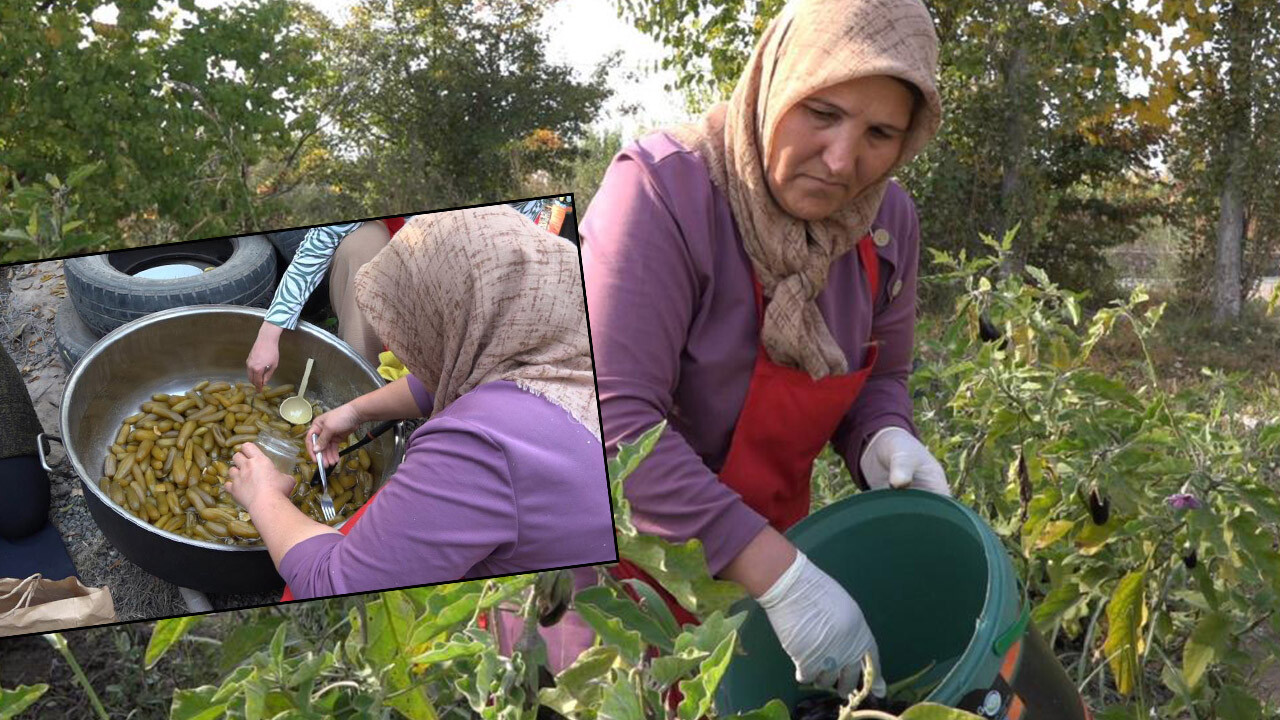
{"type": "Point", "coordinates": [29, 296]}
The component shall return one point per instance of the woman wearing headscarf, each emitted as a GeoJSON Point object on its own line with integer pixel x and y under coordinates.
{"type": "Point", "coordinates": [751, 279]}
{"type": "Point", "coordinates": [507, 474]}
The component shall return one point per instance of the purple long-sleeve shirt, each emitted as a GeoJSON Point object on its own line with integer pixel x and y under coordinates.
{"type": "Point", "coordinates": [674, 335]}
{"type": "Point", "coordinates": [501, 481]}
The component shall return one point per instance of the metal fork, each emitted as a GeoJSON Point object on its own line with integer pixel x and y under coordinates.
{"type": "Point", "coordinates": [326, 502]}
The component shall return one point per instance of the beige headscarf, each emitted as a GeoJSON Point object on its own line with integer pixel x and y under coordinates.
{"type": "Point", "coordinates": [467, 297]}
{"type": "Point", "coordinates": [811, 45]}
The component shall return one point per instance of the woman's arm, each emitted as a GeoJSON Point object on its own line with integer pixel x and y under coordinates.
{"type": "Point", "coordinates": [448, 506]}
{"type": "Point", "coordinates": [264, 492]}
{"type": "Point", "coordinates": [310, 261]}
{"type": "Point", "coordinates": [283, 526]}
{"type": "Point", "coordinates": [643, 289]}
{"type": "Point", "coordinates": [393, 401]}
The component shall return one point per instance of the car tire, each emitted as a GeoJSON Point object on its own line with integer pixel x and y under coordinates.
{"type": "Point", "coordinates": [287, 241]}
{"type": "Point", "coordinates": [72, 336]}
{"type": "Point", "coordinates": [107, 294]}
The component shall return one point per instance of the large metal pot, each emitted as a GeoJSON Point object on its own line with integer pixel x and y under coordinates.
{"type": "Point", "coordinates": [169, 352]}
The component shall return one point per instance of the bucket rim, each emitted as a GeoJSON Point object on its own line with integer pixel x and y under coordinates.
{"type": "Point", "coordinates": [987, 625]}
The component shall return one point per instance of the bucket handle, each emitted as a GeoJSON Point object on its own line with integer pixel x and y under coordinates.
{"type": "Point", "coordinates": [1006, 639]}
{"type": "Point", "coordinates": [40, 449]}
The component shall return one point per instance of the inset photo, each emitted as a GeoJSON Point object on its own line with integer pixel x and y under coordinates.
{"type": "Point", "coordinates": [338, 409]}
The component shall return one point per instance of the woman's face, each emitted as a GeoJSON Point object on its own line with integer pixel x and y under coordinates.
{"type": "Point", "coordinates": [834, 143]}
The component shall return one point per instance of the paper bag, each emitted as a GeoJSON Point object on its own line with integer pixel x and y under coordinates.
{"type": "Point", "coordinates": [34, 604]}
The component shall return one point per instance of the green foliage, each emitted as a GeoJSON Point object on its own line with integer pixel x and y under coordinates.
{"type": "Point", "coordinates": [164, 635]}
{"type": "Point", "coordinates": [1227, 124]}
{"type": "Point", "coordinates": [436, 104]}
{"type": "Point", "coordinates": [680, 569]}
{"type": "Point", "coordinates": [1039, 129]}
{"type": "Point", "coordinates": [44, 219]}
{"type": "Point", "coordinates": [177, 115]}
{"type": "Point", "coordinates": [18, 699]}
{"type": "Point", "coordinates": [1029, 429]}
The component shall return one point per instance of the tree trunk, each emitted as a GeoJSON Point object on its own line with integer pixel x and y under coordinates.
{"type": "Point", "coordinates": [1228, 292]}
{"type": "Point", "coordinates": [1015, 141]}
{"type": "Point", "coordinates": [1226, 271]}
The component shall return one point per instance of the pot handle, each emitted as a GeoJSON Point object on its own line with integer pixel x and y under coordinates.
{"type": "Point", "coordinates": [40, 449]}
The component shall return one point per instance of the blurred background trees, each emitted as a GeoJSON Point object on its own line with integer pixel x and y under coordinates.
{"type": "Point", "coordinates": [1125, 141]}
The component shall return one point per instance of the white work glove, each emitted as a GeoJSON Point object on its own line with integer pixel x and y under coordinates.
{"type": "Point", "coordinates": [821, 628]}
{"type": "Point", "coordinates": [895, 458]}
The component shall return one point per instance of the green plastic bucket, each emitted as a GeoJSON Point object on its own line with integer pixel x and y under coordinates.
{"type": "Point", "coordinates": [936, 586]}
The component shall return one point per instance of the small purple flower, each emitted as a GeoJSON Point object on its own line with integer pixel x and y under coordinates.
{"type": "Point", "coordinates": [1183, 501]}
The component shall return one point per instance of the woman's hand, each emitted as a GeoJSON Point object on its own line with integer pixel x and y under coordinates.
{"type": "Point", "coordinates": [332, 428]}
{"type": "Point", "coordinates": [264, 357]}
{"type": "Point", "coordinates": [254, 476]}
{"type": "Point", "coordinates": [895, 458]}
{"type": "Point", "coordinates": [821, 628]}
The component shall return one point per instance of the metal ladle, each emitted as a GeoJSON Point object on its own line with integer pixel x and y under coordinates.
{"type": "Point", "coordinates": [296, 409]}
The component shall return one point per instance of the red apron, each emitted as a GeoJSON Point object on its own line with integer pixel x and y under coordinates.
{"type": "Point", "coordinates": [345, 529]}
{"type": "Point", "coordinates": [786, 420]}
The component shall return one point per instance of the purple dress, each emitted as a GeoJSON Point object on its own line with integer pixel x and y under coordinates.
{"type": "Point", "coordinates": [674, 335]}
{"type": "Point", "coordinates": [499, 482]}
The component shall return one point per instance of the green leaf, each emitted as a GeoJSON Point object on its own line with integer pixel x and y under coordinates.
{"type": "Point", "coordinates": [621, 702]}
{"type": "Point", "coordinates": [655, 606]}
{"type": "Point", "coordinates": [196, 704]}
{"type": "Point", "coordinates": [773, 710]}
{"type": "Point", "coordinates": [581, 679]}
{"type": "Point", "coordinates": [632, 616]}
{"type": "Point", "coordinates": [1126, 614]}
{"type": "Point", "coordinates": [1108, 389]}
{"type": "Point", "coordinates": [1205, 645]}
{"type": "Point", "coordinates": [667, 669]}
{"type": "Point", "coordinates": [1073, 309]}
{"type": "Point", "coordinates": [681, 570]}
{"type": "Point", "coordinates": [53, 181]}
{"type": "Point", "coordinates": [1235, 703]}
{"type": "Point", "coordinates": [233, 682]}
{"type": "Point", "coordinates": [448, 651]}
{"type": "Point", "coordinates": [82, 173]}
{"type": "Point", "coordinates": [455, 613]}
{"type": "Point", "coordinates": [1092, 537]}
{"type": "Point", "coordinates": [630, 454]}
{"type": "Point", "coordinates": [245, 640]}
{"type": "Point", "coordinates": [166, 633]}
{"type": "Point", "coordinates": [699, 692]}
{"type": "Point", "coordinates": [18, 699]}
{"type": "Point", "coordinates": [1055, 604]}
{"type": "Point", "coordinates": [707, 635]}
{"type": "Point", "coordinates": [612, 632]}
{"type": "Point", "coordinates": [277, 645]}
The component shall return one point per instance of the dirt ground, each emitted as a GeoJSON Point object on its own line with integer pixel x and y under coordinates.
{"type": "Point", "coordinates": [29, 296]}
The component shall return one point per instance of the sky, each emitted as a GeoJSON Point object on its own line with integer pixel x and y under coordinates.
{"type": "Point", "coordinates": [581, 33]}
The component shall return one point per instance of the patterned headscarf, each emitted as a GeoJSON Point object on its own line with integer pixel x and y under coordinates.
{"type": "Point", "coordinates": [811, 45]}
{"type": "Point", "coordinates": [467, 297]}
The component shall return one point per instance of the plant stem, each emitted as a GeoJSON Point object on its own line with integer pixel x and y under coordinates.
{"type": "Point", "coordinates": [1088, 647]}
{"type": "Point", "coordinates": [1186, 696]}
{"type": "Point", "coordinates": [340, 683]}
{"type": "Point", "coordinates": [60, 644]}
